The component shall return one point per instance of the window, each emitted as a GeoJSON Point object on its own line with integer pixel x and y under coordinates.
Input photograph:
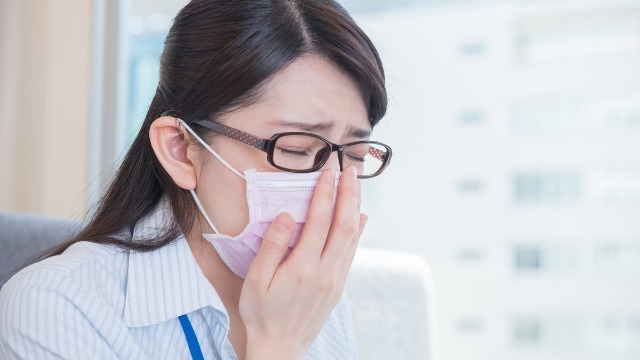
{"type": "Point", "coordinates": [603, 258]}
{"type": "Point", "coordinates": [469, 186]}
{"type": "Point", "coordinates": [526, 331]}
{"type": "Point", "coordinates": [618, 185]}
{"type": "Point", "coordinates": [472, 48]}
{"type": "Point", "coordinates": [528, 258]}
{"type": "Point", "coordinates": [616, 259]}
{"type": "Point", "coordinates": [553, 187]}
{"type": "Point", "coordinates": [470, 254]}
{"type": "Point", "coordinates": [470, 117]}
{"type": "Point", "coordinates": [571, 36]}
{"type": "Point", "coordinates": [470, 325]}
{"type": "Point", "coordinates": [600, 115]}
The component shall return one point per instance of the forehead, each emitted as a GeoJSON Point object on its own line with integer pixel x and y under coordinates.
{"type": "Point", "coordinates": [309, 91]}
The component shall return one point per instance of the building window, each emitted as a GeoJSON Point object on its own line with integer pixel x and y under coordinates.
{"type": "Point", "coordinates": [527, 188]}
{"type": "Point", "coordinates": [618, 258]}
{"type": "Point", "coordinates": [473, 48]}
{"type": "Point", "coordinates": [470, 186]}
{"type": "Point", "coordinates": [470, 254]}
{"type": "Point", "coordinates": [528, 258]}
{"type": "Point", "coordinates": [618, 185]}
{"type": "Point", "coordinates": [144, 55]}
{"type": "Point", "coordinates": [612, 259]}
{"type": "Point", "coordinates": [470, 117]}
{"type": "Point", "coordinates": [599, 115]}
{"type": "Point", "coordinates": [470, 325]}
{"type": "Point", "coordinates": [568, 38]}
{"type": "Point", "coordinates": [526, 331]}
{"type": "Point", "coordinates": [547, 187]}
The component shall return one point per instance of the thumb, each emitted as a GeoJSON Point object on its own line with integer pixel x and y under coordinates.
{"type": "Point", "coordinates": [274, 246]}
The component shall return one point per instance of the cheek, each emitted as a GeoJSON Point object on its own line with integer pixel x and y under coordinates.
{"type": "Point", "coordinates": [223, 195]}
{"type": "Point", "coordinates": [245, 157]}
{"type": "Point", "coordinates": [222, 192]}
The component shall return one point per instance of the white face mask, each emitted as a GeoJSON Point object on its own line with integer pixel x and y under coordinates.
{"type": "Point", "coordinates": [268, 194]}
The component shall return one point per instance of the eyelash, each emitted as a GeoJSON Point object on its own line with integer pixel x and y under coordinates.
{"type": "Point", "coordinates": [297, 153]}
{"type": "Point", "coordinates": [358, 159]}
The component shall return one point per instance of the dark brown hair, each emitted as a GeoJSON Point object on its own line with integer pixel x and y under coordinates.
{"type": "Point", "coordinates": [216, 57]}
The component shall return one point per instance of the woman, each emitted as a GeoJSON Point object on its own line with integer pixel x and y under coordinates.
{"type": "Point", "coordinates": [204, 246]}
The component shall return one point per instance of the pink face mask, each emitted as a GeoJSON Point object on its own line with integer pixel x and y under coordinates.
{"type": "Point", "coordinates": [268, 194]}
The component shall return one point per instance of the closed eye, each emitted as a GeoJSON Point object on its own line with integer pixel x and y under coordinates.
{"type": "Point", "coordinates": [294, 152]}
{"type": "Point", "coordinates": [355, 158]}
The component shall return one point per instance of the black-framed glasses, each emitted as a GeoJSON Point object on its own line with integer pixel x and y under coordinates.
{"type": "Point", "coordinates": [302, 152]}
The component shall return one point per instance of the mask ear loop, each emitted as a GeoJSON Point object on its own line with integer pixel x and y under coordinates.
{"type": "Point", "coordinates": [204, 213]}
{"type": "Point", "coordinates": [206, 146]}
{"type": "Point", "coordinates": [214, 153]}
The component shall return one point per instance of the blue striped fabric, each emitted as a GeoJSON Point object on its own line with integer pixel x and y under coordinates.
{"type": "Point", "coordinates": [101, 302]}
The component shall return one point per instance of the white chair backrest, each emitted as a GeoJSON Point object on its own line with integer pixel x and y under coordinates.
{"type": "Point", "coordinates": [392, 301]}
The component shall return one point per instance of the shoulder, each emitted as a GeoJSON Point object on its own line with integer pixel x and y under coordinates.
{"type": "Point", "coordinates": [82, 263]}
{"type": "Point", "coordinates": [94, 268]}
{"type": "Point", "coordinates": [71, 293]}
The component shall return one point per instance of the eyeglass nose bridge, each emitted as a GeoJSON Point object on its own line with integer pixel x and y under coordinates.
{"type": "Point", "coordinates": [331, 149]}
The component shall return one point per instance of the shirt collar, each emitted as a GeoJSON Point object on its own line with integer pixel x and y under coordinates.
{"type": "Point", "coordinates": [165, 283]}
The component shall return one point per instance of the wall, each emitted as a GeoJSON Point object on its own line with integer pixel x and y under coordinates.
{"type": "Point", "coordinates": [45, 54]}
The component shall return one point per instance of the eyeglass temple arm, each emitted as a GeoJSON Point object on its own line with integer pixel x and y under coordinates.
{"type": "Point", "coordinates": [239, 135]}
{"type": "Point", "coordinates": [377, 154]}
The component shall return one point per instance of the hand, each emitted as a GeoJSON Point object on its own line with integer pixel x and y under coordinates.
{"type": "Point", "coordinates": [284, 304]}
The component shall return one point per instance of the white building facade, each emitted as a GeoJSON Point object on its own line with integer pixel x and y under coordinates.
{"type": "Point", "coordinates": [516, 172]}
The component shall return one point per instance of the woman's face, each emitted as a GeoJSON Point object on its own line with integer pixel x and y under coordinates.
{"type": "Point", "coordinates": [309, 95]}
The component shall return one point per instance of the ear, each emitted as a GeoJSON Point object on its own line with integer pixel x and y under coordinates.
{"type": "Point", "coordinates": [170, 147]}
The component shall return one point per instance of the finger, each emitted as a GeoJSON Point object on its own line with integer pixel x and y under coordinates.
{"type": "Point", "coordinates": [351, 251]}
{"type": "Point", "coordinates": [346, 220]}
{"type": "Point", "coordinates": [274, 246]}
{"type": "Point", "coordinates": [316, 228]}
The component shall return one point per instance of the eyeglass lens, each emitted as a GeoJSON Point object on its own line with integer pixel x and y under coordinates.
{"type": "Point", "coordinates": [302, 152]}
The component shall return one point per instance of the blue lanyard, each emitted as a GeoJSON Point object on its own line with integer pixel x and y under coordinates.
{"type": "Point", "coordinates": [192, 340]}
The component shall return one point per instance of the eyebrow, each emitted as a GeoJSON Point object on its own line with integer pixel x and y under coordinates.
{"type": "Point", "coordinates": [324, 126]}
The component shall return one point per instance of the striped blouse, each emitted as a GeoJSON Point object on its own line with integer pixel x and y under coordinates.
{"type": "Point", "coordinates": [101, 302]}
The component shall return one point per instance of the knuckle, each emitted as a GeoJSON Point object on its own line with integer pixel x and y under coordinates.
{"type": "Point", "coordinates": [354, 241]}
{"type": "Point", "coordinates": [321, 220]}
{"type": "Point", "coordinates": [350, 227]}
{"type": "Point", "coordinates": [328, 282]}
{"type": "Point", "coordinates": [328, 192]}
{"type": "Point", "coordinates": [346, 226]}
{"type": "Point", "coordinates": [324, 222]}
{"type": "Point", "coordinates": [349, 261]}
{"type": "Point", "coordinates": [271, 245]}
{"type": "Point", "coordinates": [305, 274]}
{"type": "Point", "coordinates": [354, 191]}
{"type": "Point", "coordinates": [253, 280]}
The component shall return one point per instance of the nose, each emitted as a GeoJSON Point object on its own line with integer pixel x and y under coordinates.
{"type": "Point", "coordinates": [333, 162]}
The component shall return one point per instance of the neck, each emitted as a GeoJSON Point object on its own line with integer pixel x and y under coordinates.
{"type": "Point", "coordinates": [227, 284]}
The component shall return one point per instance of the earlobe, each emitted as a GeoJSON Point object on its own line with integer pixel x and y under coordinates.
{"type": "Point", "coordinates": [170, 147]}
